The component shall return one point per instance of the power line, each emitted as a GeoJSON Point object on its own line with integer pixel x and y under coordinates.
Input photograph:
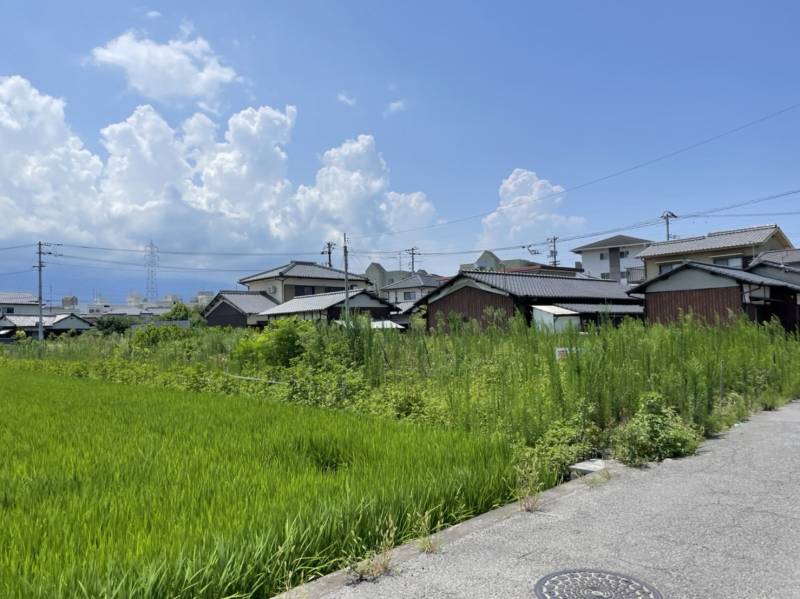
{"type": "Point", "coordinates": [611, 175]}
{"type": "Point", "coordinates": [755, 214]}
{"type": "Point", "coordinates": [17, 247]}
{"type": "Point", "coordinates": [16, 272]}
{"type": "Point", "coordinates": [187, 253]}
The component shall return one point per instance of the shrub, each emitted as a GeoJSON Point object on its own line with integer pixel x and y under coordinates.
{"type": "Point", "coordinates": [654, 434]}
{"type": "Point", "coordinates": [152, 336]}
{"type": "Point", "coordinates": [108, 325]}
{"type": "Point", "coordinates": [277, 345]}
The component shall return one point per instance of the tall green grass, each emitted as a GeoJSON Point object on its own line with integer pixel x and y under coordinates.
{"type": "Point", "coordinates": [124, 491]}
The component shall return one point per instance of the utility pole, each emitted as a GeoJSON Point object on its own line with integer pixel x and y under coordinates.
{"type": "Point", "coordinates": [413, 253]}
{"type": "Point", "coordinates": [151, 263]}
{"type": "Point", "coordinates": [553, 250]}
{"type": "Point", "coordinates": [666, 216]}
{"type": "Point", "coordinates": [328, 249]}
{"type": "Point", "coordinates": [346, 283]}
{"type": "Point", "coordinates": [40, 245]}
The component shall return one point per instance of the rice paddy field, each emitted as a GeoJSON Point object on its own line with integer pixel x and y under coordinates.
{"type": "Point", "coordinates": [208, 462]}
{"type": "Point", "coordinates": [110, 490]}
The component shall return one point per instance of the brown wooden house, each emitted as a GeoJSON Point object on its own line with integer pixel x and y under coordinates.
{"type": "Point", "coordinates": [715, 293]}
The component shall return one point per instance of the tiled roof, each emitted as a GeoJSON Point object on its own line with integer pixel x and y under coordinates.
{"type": "Point", "coordinates": [604, 308]}
{"type": "Point", "coordinates": [404, 307]}
{"type": "Point", "coordinates": [17, 297]}
{"type": "Point", "coordinates": [612, 242]}
{"type": "Point", "coordinates": [314, 303]}
{"type": "Point", "coordinates": [730, 272]}
{"type": "Point", "coordinates": [789, 257]}
{"type": "Point", "coordinates": [33, 321]}
{"type": "Point", "coordinates": [713, 241]}
{"type": "Point", "coordinates": [418, 279]}
{"type": "Point", "coordinates": [545, 286]}
{"type": "Point", "coordinates": [307, 270]}
{"type": "Point", "coordinates": [248, 302]}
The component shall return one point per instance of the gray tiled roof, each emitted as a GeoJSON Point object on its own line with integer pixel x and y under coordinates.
{"type": "Point", "coordinates": [546, 286]}
{"type": "Point", "coordinates": [403, 307]}
{"type": "Point", "coordinates": [308, 270]}
{"type": "Point", "coordinates": [314, 303]}
{"type": "Point", "coordinates": [601, 308]}
{"type": "Point", "coordinates": [33, 321]}
{"type": "Point", "coordinates": [418, 279]}
{"type": "Point", "coordinates": [249, 302]}
{"type": "Point", "coordinates": [725, 271]}
{"type": "Point", "coordinates": [612, 242]}
{"type": "Point", "coordinates": [713, 241]}
{"type": "Point", "coordinates": [790, 257]}
{"type": "Point", "coordinates": [17, 297]}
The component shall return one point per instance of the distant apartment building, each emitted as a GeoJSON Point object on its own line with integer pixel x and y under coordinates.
{"type": "Point", "coordinates": [614, 258]}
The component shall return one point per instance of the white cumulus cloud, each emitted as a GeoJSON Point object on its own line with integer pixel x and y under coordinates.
{"type": "Point", "coordinates": [202, 185]}
{"type": "Point", "coordinates": [178, 69]}
{"type": "Point", "coordinates": [529, 210]}
{"type": "Point", "coordinates": [152, 14]}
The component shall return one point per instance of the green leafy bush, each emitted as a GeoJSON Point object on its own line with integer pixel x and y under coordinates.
{"type": "Point", "coordinates": [109, 325]}
{"type": "Point", "coordinates": [654, 434]}
{"type": "Point", "coordinates": [152, 336]}
{"type": "Point", "coordinates": [277, 345]}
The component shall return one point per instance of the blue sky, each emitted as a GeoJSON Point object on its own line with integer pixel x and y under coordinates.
{"type": "Point", "coordinates": [568, 91]}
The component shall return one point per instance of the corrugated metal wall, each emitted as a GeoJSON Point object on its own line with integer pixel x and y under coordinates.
{"type": "Point", "coordinates": [468, 303]}
{"type": "Point", "coordinates": [709, 305]}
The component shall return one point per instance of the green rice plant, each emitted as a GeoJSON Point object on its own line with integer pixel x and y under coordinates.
{"type": "Point", "coordinates": [131, 491]}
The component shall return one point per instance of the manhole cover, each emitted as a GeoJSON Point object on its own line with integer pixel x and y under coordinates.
{"type": "Point", "coordinates": [592, 584]}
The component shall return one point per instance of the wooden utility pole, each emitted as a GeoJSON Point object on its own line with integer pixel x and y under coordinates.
{"type": "Point", "coordinates": [667, 216]}
{"type": "Point", "coordinates": [346, 283]}
{"type": "Point", "coordinates": [413, 253]}
{"type": "Point", "coordinates": [328, 249]}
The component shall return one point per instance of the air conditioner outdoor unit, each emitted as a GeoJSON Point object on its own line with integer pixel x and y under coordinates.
{"type": "Point", "coordinates": [272, 289]}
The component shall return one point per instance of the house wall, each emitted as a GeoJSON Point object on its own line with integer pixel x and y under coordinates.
{"type": "Point", "coordinates": [652, 264]}
{"type": "Point", "coordinates": [284, 289]}
{"type": "Point", "coordinates": [595, 267]}
{"type": "Point", "coordinates": [225, 315]}
{"type": "Point", "coordinates": [19, 309]}
{"type": "Point", "coordinates": [468, 303]}
{"type": "Point", "coordinates": [710, 305]}
{"type": "Point", "coordinates": [690, 278]}
{"type": "Point", "coordinates": [397, 295]}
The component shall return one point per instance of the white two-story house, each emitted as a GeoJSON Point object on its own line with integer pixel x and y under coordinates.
{"type": "Point", "coordinates": [614, 258]}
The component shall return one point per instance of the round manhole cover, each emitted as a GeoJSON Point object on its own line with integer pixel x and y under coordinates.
{"type": "Point", "coordinates": [592, 584]}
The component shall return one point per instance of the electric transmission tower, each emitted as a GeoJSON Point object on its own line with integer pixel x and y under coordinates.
{"type": "Point", "coordinates": [151, 263]}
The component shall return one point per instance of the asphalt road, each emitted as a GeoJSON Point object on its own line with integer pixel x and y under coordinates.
{"type": "Point", "coordinates": [722, 524]}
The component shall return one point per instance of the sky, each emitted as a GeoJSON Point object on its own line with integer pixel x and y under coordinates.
{"type": "Point", "coordinates": [272, 127]}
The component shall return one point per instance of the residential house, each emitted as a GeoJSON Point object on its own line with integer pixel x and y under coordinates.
{"type": "Point", "coordinates": [18, 302]}
{"type": "Point", "coordinates": [780, 264]}
{"type": "Point", "coordinates": [412, 287]}
{"type": "Point", "coordinates": [614, 258]}
{"type": "Point", "coordinates": [736, 248]}
{"type": "Point", "coordinates": [237, 308]}
{"type": "Point", "coordinates": [470, 295]}
{"type": "Point", "coordinates": [51, 324]}
{"type": "Point", "coordinates": [379, 277]}
{"type": "Point", "coordinates": [715, 293]}
{"type": "Point", "coordinates": [329, 307]}
{"type": "Point", "coordinates": [301, 278]}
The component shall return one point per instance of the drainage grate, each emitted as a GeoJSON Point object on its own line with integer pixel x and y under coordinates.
{"type": "Point", "coordinates": [592, 584]}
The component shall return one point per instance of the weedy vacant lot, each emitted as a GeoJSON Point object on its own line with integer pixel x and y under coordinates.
{"type": "Point", "coordinates": [117, 491]}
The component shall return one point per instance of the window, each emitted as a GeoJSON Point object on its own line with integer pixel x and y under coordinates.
{"type": "Point", "coordinates": [409, 295]}
{"type": "Point", "coordinates": [602, 255]}
{"type": "Point", "coordinates": [623, 254]}
{"type": "Point", "coordinates": [330, 289]}
{"type": "Point", "coordinates": [9, 310]}
{"type": "Point", "coordinates": [667, 266]}
{"type": "Point", "coordinates": [734, 261]}
{"type": "Point", "coordinates": [605, 275]}
{"type": "Point", "coordinates": [303, 290]}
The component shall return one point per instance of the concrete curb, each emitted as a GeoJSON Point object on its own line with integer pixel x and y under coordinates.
{"type": "Point", "coordinates": [334, 581]}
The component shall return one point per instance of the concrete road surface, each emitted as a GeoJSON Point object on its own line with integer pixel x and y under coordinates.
{"type": "Point", "coordinates": [724, 524]}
